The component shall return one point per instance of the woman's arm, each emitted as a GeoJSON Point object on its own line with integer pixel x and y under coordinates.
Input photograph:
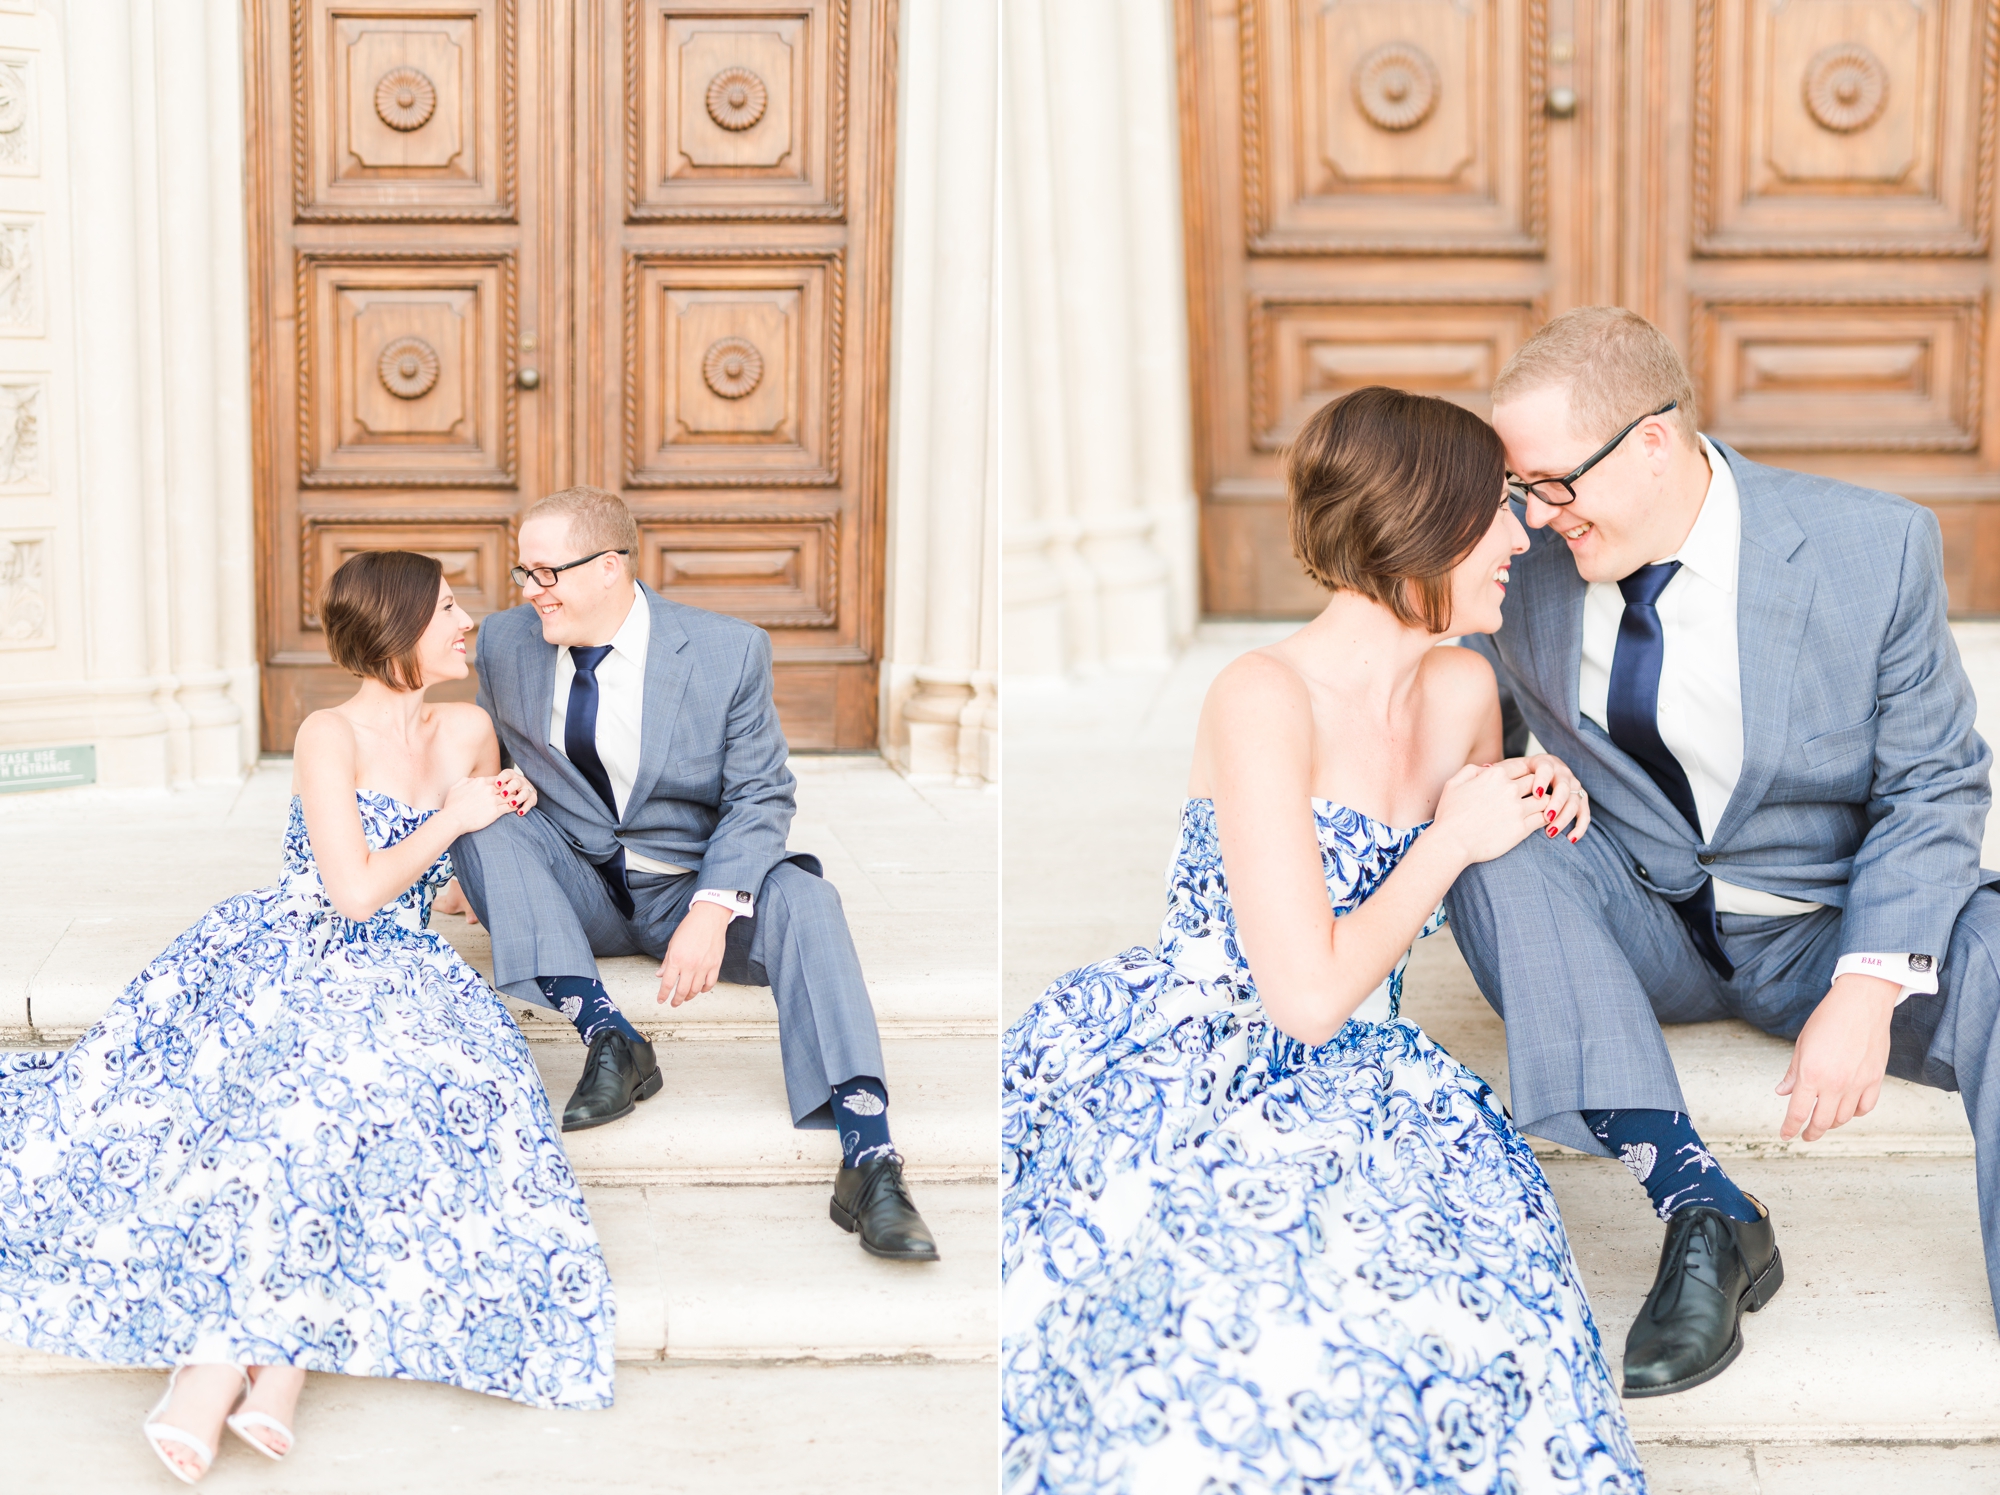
{"type": "Point", "coordinates": [1312, 971]}
{"type": "Point", "coordinates": [360, 880]}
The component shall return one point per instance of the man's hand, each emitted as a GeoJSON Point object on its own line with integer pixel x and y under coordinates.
{"type": "Point", "coordinates": [1840, 1057]}
{"type": "Point", "coordinates": [694, 954]}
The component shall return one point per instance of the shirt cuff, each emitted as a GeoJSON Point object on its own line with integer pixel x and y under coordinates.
{"type": "Point", "coordinates": [743, 906]}
{"type": "Point", "coordinates": [1913, 973]}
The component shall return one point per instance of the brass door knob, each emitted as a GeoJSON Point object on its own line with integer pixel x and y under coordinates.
{"type": "Point", "coordinates": [528, 379]}
{"type": "Point", "coordinates": [1562, 102]}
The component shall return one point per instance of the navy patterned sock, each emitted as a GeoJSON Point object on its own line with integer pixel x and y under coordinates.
{"type": "Point", "coordinates": [861, 1112]}
{"type": "Point", "coordinates": [1664, 1152]}
{"type": "Point", "coordinates": [587, 1004]}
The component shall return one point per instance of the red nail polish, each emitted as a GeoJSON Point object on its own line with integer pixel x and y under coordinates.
{"type": "Point", "coordinates": [1538, 791]}
{"type": "Point", "coordinates": [1552, 830]}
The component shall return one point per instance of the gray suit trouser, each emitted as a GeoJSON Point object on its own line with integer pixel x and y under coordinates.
{"type": "Point", "coordinates": [1584, 964]}
{"type": "Point", "coordinates": [550, 915]}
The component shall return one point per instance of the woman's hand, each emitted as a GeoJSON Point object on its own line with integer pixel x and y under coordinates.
{"type": "Point", "coordinates": [474, 804]}
{"type": "Point", "coordinates": [1487, 809]}
{"type": "Point", "coordinates": [1560, 797]}
{"type": "Point", "coordinates": [520, 793]}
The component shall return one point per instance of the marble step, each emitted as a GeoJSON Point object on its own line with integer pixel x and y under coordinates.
{"type": "Point", "coordinates": [940, 983]}
{"type": "Point", "coordinates": [1728, 1072]}
{"type": "Point", "coordinates": [761, 1274]}
{"type": "Point", "coordinates": [692, 1429]}
{"type": "Point", "coordinates": [1823, 1469]}
{"type": "Point", "coordinates": [1883, 1332]}
{"type": "Point", "coordinates": [721, 1116]}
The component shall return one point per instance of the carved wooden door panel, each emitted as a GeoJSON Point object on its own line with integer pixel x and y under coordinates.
{"type": "Point", "coordinates": [1368, 185]}
{"type": "Point", "coordinates": [500, 246]}
{"type": "Point", "coordinates": [404, 280]}
{"type": "Point", "coordinates": [1799, 192]}
{"type": "Point", "coordinates": [1835, 289]}
{"type": "Point", "coordinates": [735, 340]}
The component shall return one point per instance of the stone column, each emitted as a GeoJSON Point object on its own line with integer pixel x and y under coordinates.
{"type": "Point", "coordinates": [124, 613]}
{"type": "Point", "coordinates": [939, 701]}
{"type": "Point", "coordinates": [197, 436]}
{"type": "Point", "coordinates": [1099, 484]}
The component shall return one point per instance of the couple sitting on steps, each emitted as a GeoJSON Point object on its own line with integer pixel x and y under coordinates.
{"type": "Point", "coordinates": [1260, 1232]}
{"type": "Point", "coordinates": [309, 1137]}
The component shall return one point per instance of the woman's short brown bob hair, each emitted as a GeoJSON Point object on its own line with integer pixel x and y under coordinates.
{"type": "Point", "coordinates": [377, 606]}
{"type": "Point", "coordinates": [1390, 491]}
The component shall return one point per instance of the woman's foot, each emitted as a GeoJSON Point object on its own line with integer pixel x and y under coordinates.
{"type": "Point", "coordinates": [202, 1396]}
{"type": "Point", "coordinates": [274, 1392]}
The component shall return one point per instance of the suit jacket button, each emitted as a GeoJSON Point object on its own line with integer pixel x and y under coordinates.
{"type": "Point", "coordinates": [1705, 858]}
{"type": "Point", "coordinates": [1640, 870]}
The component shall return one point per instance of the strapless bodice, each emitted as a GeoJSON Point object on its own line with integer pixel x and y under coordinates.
{"type": "Point", "coordinates": [385, 820]}
{"type": "Point", "coordinates": [1198, 938]}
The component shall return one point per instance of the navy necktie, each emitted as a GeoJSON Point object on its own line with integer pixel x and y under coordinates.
{"type": "Point", "coordinates": [580, 743]}
{"type": "Point", "coordinates": [1632, 711]}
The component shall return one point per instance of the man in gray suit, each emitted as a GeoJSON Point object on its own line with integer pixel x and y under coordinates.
{"type": "Point", "coordinates": [650, 735]}
{"type": "Point", "coordinates": [1750, 673]}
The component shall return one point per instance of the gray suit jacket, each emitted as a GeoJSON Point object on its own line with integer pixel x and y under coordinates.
{"type": "Point", "coordinates": [1864, 785]}
{"type": "Point", "coordinates": [712, 793]}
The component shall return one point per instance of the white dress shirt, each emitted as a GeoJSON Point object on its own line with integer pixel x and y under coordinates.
{"type": "Point", "coordinates": [621, 702]}
{"type": "Point", "coordinates": [1701, 692]}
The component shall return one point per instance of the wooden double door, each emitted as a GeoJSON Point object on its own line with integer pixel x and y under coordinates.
{"type": "Point", "coordinates": [504, 246]}
{"type": "Point", "coordinates": [1798, 192]}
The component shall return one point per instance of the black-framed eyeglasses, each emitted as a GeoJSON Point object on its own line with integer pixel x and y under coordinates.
{"type": "Point", "coordinates": [1521, 489]}
{"type": "Point", "coordinates": [545, 576]}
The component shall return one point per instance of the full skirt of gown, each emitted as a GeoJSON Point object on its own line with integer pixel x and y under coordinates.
{"type": "Point", "coordinates": [301, 1139]}
{"type": "Point", "coordinates": [1233, 1263]}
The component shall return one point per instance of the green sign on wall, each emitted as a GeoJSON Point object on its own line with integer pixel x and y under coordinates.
{"type": "Point", "coordinates": [47, 768]}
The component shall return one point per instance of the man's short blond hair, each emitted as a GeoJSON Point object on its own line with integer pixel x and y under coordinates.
{"type": "Point", "coordinates": [1615, 365]}
{"type": "Point", "coordinates": [597, 521]}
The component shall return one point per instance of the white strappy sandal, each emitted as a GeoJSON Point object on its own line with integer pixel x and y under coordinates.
{"type": "Point", "coordinates": [158, 1433]}
{"type": "Point", "coordinates": [240, 1423]}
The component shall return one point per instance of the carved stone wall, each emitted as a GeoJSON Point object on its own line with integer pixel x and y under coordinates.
{"type": "Point", "coordinates": [1098, 520]}
{"type": "Point", "coordinates": [125, 527]}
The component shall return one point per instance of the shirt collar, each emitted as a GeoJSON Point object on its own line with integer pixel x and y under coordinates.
{"type": "Point", "coordinates": [636, 631]}
{"type": "Point", "coordinates": [1710, 550]}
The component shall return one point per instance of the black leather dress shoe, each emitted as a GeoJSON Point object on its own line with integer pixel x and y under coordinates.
{"type": "Point", "coordinates": [873, 1202]}
{"type": "Point", "coordinates": [617, 1075]}
{"type": "Point", "coordinates": [1711, 1269]}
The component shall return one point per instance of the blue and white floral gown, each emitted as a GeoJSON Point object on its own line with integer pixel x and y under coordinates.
{"type": "Point", "coordinates": [1234, 1263]}
{"type": "Point", "coordinates": [300, 1139]}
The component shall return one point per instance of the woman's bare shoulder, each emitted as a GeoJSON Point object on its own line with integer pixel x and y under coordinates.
{"type": "Point", "coordinates": [1259, 680]}
{"type": "Point", "coordinates": [1258, 706]}
{"type": "Point", "coordinates": [1459, 672]}
{"type": "Point", "coordinates": [462, 718]}
{"type": "Point", "coordinates": [325, 730]}
{"type": "Point", "coordinates": [324, 750]}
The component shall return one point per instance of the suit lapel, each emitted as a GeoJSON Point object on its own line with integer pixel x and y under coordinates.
{"type": "Point", "coordinates": [1555, 627]}
{"type": "Point", "coordinates": [1773, 600]}
{"type": "Point", "coordinates": [668, 668]}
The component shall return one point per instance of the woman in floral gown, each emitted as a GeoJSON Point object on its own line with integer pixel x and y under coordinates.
{"type": "Point", "coordinates": [308, 1136]}
{"type": "Point", "coordinates": [1260, 1233]}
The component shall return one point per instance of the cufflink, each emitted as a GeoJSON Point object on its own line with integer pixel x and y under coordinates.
{"type": "Point", "coordinates": [1920, 963]}
{"type": "Point", "coordinates": [745, 898]}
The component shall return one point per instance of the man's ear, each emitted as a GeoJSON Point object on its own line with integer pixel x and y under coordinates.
{"type": "Point", "coordinates": [1660, 439]}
